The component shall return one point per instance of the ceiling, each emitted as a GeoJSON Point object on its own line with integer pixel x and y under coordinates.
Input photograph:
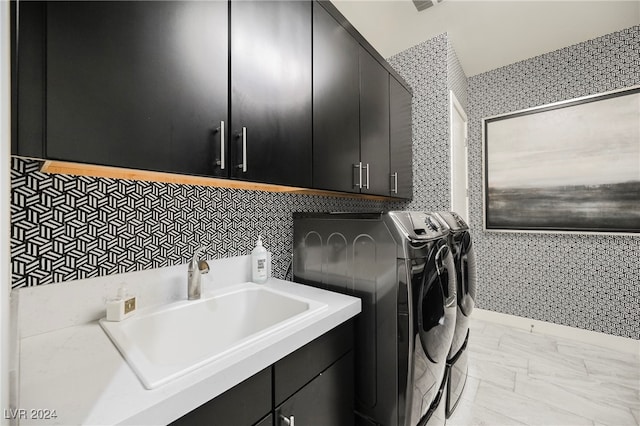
{"type": "Point", "coordinates": [488, 34]}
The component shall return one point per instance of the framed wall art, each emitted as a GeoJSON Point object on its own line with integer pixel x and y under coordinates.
{"type": "Point", "coordinates": [571, 166]}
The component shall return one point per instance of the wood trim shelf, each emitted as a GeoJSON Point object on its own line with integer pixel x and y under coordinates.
{"type": "Point", "coordinates": [79, 169]}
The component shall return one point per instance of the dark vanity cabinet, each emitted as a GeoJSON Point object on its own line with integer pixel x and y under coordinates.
{"type": "Point", "coordinates": [136, 84]}
{"type": "Point", "coordinates": [401, 146]}
{"type": "Point", "coordinates": [336, 130]}
{"type": "Point", "coordinates": [326, 400]}
{"type": "Point", "coordinates": [311, 386]}
{"type": "Point", "coordinates": [246, 404]}
{"type": "Point", "coordinates": [315, 384]}
{"type": "Point", "coordinates": [271, 92]}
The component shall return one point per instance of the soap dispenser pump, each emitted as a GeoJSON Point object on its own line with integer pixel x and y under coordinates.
{"type": "Point", "coordinates": [259, 263]}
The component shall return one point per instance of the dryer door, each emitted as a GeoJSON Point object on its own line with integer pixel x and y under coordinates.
{"type": "Point", "coordinates": [467, 275]}
{"type": "Point", "coordinates": [436, 303]}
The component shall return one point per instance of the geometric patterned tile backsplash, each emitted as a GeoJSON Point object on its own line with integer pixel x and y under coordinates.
{"type": "Point", "coordinates": [72, 227]}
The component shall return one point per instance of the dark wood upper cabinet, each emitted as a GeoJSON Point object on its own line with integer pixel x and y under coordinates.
{"type": "Point", "coordinates": [280, 92]}
{"type": "Point", "coordinates": [401, 145]}
{"type": "Point", "coordinates": [374, 125]}
{"type": "Point", "coordinates": [27, 79]}
{"type": "Point", "coordinates": [336, 133]}
{"type": "Point", "coordinates": [271, 91]}
{"type": "Point", "coordinates": [137, 84]}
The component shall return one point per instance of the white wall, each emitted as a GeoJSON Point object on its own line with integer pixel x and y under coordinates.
{"type": "Point", "coordinates": [488, 34]}
{"type": "Point", "coordinates": [5, 143]}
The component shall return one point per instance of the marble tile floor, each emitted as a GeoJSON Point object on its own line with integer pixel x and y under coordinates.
{"type": "Point", "coordinates": [522, 378]}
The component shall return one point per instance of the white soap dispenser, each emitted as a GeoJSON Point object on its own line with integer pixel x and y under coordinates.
{"type": "Point", "coordinates": [122, 306]}
{"type": "Point", "coordinates": [259, 263]}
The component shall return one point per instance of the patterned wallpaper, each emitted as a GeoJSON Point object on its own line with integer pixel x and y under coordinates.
{"type": "Point", "coordinates": [457, 79]}
{"type": "Point", "coordinates": [585, 281]}
{"type": "Point", "coordinates": [424, 67]}
{"type": "Point", "coordinates": [528, 275]}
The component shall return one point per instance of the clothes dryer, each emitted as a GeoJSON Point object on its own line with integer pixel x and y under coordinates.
{"type": "Point", "coordinates": [465, 263]}
{"type": "Point", "coordinates": [400, 265]}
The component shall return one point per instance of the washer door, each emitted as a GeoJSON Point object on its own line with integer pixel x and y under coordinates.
{"type": "Point", "coordinates": [466, 275]}
{"type": "Point", "coordinates": [436, 303]}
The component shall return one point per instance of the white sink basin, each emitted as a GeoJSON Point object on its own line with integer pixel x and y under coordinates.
{"type": "Point", "coordinates": [164, 343]}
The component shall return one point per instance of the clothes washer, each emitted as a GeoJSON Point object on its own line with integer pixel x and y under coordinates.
{"type": "Point", "coordinates": [400, 265]}
{"type": "Point", "coordinates": [465, 262]}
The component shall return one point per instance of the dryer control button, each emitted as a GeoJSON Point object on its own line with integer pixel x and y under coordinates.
{"type": "Point", "coordinates": [431, 224]}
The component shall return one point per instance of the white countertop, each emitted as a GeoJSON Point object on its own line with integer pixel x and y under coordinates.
{"type": "Point", "coordinates": [80, 374]}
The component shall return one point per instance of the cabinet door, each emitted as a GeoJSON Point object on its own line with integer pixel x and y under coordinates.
{"type": "Point", "coordinates": [27, 78]}
{"type": "Point", "coordinates": [401, 167]}
{"type": "Point", "coordinates": [245, 404]}
{"type": "Point", "coordinates": [374, 125]}
{"type": "Point", "coordinates": [271, 91]}
{"type": "Point", "coordinates": [326, 400]}
{"type": "Point", "coordinates": [336, 139]}
{"type": "Point", "coordinates": [292, 372]}
{"type": "Point", "coordinates": [267, 421]}
{"type": "Point", "coordinates": [137, 84]}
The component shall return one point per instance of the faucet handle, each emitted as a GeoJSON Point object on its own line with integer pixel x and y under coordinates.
{"type": "Point", "coordinates": [203, 266]}
{"type": "Point", "coordinates": [195, 259]}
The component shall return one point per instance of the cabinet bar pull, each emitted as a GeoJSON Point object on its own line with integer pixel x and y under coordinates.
{"type": "Point", "coordinates": [367, 184]}
{"type": "Point", "coordinates": [359, 167]}
{"type": "Point", "coordinates": [395, 182]}
{"type": "Point", "coordinates": [287, 421]}
{"type": "Point", "coordinates": [243, 165]}
{"type": "Point", "coordinates": [222, 145]}
{"type": "Point", "coordinates": [244, 149]}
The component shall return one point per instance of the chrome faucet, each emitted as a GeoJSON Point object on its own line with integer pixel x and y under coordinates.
{"type": "Point", "coordinates": [196, 269]}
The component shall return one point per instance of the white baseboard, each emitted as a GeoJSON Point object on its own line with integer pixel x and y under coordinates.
{"type": "Point", "coordinates": [622, 344]}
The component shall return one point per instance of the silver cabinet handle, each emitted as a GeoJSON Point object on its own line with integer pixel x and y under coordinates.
{"type": "Point", "coordinates": [243, 165]}
{"type": "Point", "coordinates": [395, 183]}
{"type": "Point", "coordinates": [220, 162]}
{"type": "Point", "coordinates": [287, 421]}
{"type": "Point", "coordinates": [359, 167]}
{"type": "Point", "coordinates": [367, 184]}
{"type": "Point", "coordinates": [244, 149]}
{"type": "Point", "coordinates": [222, 145]}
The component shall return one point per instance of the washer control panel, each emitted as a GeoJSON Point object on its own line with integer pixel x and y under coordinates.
{"type": "Point", "coordinates": [420, 226]}
{"type": "Point", "coordinates": [453, 221]}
